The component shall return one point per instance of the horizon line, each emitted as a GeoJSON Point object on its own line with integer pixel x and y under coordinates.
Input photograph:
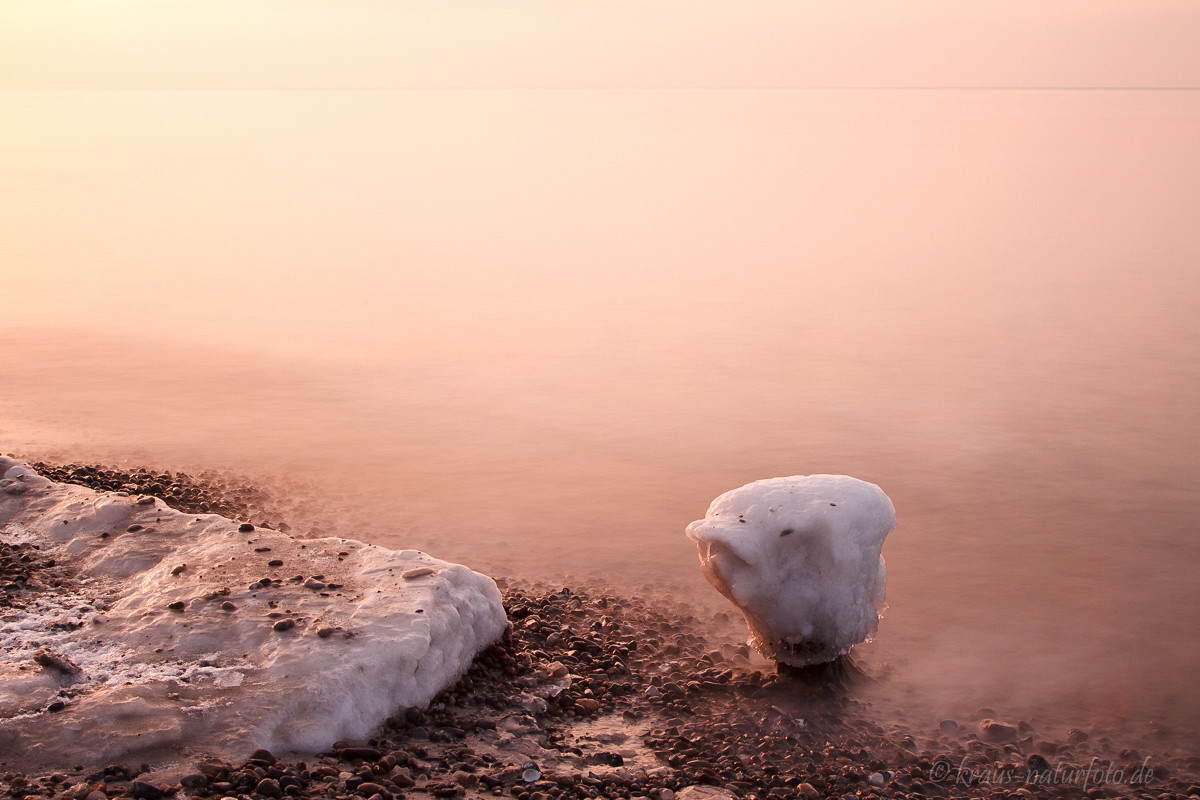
{"type": "Point", "coordinates": [815, 88]}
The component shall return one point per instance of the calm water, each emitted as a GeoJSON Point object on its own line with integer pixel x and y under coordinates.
{"type": "Point", "coordinates": [537, 332]}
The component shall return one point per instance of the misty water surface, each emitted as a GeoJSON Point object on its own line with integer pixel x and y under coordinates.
{"type": "Point", "coordinates": [536, 332]}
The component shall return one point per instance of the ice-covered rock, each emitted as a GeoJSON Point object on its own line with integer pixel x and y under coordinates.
{"type": "Point", "coordinates": [800, 557]}
{"type": "Point", "coordinates": [193, 636]}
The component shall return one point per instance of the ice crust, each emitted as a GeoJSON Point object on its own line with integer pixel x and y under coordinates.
{"type": "Point", "coordinates": [206, 679]}
{"type": "Point", "coordinates": [800, 558]}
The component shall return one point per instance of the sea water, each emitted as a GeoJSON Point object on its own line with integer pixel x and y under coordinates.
{"type": "Point", "coordinates": [537, 331]}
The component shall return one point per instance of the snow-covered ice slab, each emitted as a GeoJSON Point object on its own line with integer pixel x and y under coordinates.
{"type": "Point", "coordinates": [800, 557]}
{"type": "Point", "coordinates": [194, 637]}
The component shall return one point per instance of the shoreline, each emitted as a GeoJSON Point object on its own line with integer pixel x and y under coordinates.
{"type": "Point", "coordinates": [608, 696]}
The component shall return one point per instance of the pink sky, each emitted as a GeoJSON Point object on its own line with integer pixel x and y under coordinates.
{"type": "Point", "coordinates": [138, 44]}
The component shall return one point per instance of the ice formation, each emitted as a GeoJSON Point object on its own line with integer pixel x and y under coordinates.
{"type": "Point", "coordinates": [800, 557]}
{"type": "Point", "coordinates": [191, 634]}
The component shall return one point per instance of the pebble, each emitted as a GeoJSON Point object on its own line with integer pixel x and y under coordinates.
{"type": "Point", "coordinates": [228, 606]}
{"type": "Point", "coordinates": [360, 753]}
{"type": "Point", "coordinates": [995, 731]}
{"type": "Point", "coordinates": [699, 792]}
{"type": "Point", "coordinates": [262, 754]}
{"type": "Point", "coordinates": [57, 662]}
{"type": "Point", "coordinates": [145, 791]}
{"type": "Point", "coordinates": [698, 724]}
{"type": "Point", "coordinates": [245, 527]}
{"type": "Point", "coordinates": [416, 572]}
{"type": "Point", "coordinates": [268, 787]}
{"type": "Point", "coordinates": [285, 624]}
{"type": "Point", "coordinates": [369, 789]}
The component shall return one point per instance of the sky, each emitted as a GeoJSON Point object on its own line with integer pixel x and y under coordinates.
{"type": "Point", "coordinates": [330, 44]}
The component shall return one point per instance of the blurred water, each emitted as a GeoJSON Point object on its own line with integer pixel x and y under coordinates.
{"type": "Point", "coordinates": [537, 332]}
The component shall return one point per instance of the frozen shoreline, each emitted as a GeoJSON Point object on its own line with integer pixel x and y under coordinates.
{"type": "Point", "coordinates": [604, 693]}
{"type": "Point", "coordinates": [170, 630]}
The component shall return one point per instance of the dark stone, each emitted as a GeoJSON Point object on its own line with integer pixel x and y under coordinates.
{"type": "Point", "coordinates": [145, 791]}
{"type": "Point", "coordinates": [361, 753]}
{"type": "Point", "coordinates": [268, 788]}
{"type": "Point", "coordinates": [1037, 763]}
{"type": "Point", "coordinates": [245, 527]}
{"type": "Point", "coordinates": [55, 661]}
{"type": "Point", "coordinates": [263, 755]}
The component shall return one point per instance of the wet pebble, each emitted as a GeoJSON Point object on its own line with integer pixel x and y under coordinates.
{"type": "Point", "coordinates": [145, 791]}
{"type": "Point", "coordinates": [268, 787]}
{"type": "Point", "coordinates": [996, 731]}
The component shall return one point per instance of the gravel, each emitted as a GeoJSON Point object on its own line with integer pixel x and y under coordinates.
{"type": "Point", "coordinates": [592, 695]}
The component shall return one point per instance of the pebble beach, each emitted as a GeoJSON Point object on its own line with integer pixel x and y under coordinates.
{"type": "Point", "coordinates": [590, 694]}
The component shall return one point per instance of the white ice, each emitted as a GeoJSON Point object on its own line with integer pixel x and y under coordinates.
{"type": "Point", "coordinates": [400, 626]}
{"type": "Point", "coordinates": [800, 557]}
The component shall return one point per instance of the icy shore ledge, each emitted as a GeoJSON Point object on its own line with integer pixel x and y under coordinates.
{"type": "Point", "coordinates": [191, 636]}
